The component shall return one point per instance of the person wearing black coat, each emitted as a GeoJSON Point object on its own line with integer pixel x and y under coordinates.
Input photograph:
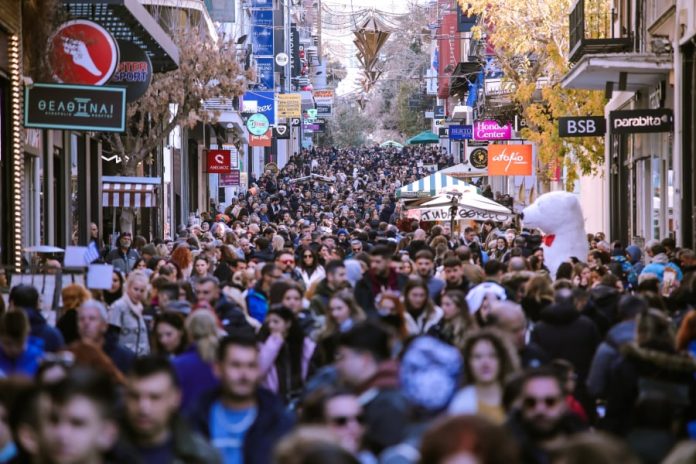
{"type": "Point", "coordinates": [563, 332]}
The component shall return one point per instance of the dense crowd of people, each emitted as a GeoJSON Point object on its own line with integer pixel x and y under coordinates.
{"type": "Point", "coordinates": [312, 321]}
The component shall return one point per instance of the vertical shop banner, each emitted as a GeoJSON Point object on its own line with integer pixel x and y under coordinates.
{"type": "Point", "coordinates": [262, 32]}
{"type": "Point", "coordinates": [295, 62]}
{"type": "Point", "coordinates": [230, 180]}
{"type": "Point", "coordinates": [264, 103]}
{"type": "Point", "coordinates": [450, 52]}
{"type": "Point", "coordinates": [509, 160]}
{"type": "Point", "coordinates": [264, 72]}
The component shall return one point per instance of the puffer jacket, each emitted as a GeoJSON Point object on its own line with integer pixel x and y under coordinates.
{"type": "Point", "coordinates": [128, 317]}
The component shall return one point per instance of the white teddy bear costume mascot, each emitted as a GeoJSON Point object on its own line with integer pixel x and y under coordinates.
{"type": "Point", "coordinates": [559, 216]}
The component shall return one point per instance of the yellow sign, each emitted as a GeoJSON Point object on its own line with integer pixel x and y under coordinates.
{"type": "Point", "coordinates": [289, 105]}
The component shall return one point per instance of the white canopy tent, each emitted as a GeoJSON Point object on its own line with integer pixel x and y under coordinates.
{"type": "Point", "coordinates": [470, 205]}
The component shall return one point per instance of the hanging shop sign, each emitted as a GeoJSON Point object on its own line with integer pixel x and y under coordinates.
{"type": "Point", "coordinates": [233, 179]}
{"type": "Point", "coordinates": [324, 110]}
{"type": "Point", "coordinates": [324, 97]}
{"type": "Point", "coordinates": [263, 140]}
{"type": "Point", "coordinates": [439, 112]}
{"type": "Point", "coordinates": [264, 72]}
{"type": "Point", "coordinates": [641, 121]}
{"type": "Point", "coordinates": [134, 70]}
{"type": "Point", "coordinates": [443, 132]}
{"type": "Point", "coordinates": [75, 107]}
{"type": "Point", "coordinates": [281, 131]}
{"type": "Point", "coordinates": [294, 122]}
{"type": "Point", "coordinates": [219, 162]}
{"type": "Point", "coordinates": [582, 126]}
{"type": "Point", "coordinates": [490, 130]}
{"type": "Point", "coordinates": [82, 52]}
{"type": "Point", "coordinates": [478, 159]}
{"type": "Point", "coordinates": [282, 59]}
{"type": "Point", "coordinates": [461, 132]}
{"type": "Point", "coordinates": [257, 124]}
{"type": "Point", "coordinates": [262, 33]}
{"type": "Point", "coordinates": [260, 102]}
{"type": "Point", "coordinates": [509, 160]}
{"type": "Point", "coordinates": [289, 105]}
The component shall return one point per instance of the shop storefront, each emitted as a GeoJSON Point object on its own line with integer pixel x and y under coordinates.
{"type": "Point", "coordinates": [640, 171]}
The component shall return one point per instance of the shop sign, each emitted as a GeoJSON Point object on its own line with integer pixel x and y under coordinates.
{"type": "Point", "coordinates": [324, 97]}
{"type": "Point", "coordinates": [439, 122]}
{"type": "Point", "coordinates": [461, 132]}
{"type": "Point", "coordinates": [582, 126]}
{"type": "Point", "coordinates": [324, 110]}
{"type": "Point", "coordinates": [490, 130]}
{"type": "Point", "coordinates": [134, 70]}
{"type": "Point", "coordinates": [257, 124]}
{"type": "Point", "coordinates": [263, 140]}
{"type": "Point", "coordinates": [439, 112]}
{"type": "Point", "coordinates": [82, 52]}
{"type": "Point", "coordinates": [509, 160]}
{"type": "Point", "coordinates": [289, 105]}
{"type": "Point", "coordinates": [219, 162]}
{"type": "Point", "coordinates": [295, 122]}
{"type": "Point", "coordinates": [281, 131]}
{"type": "Point", "coordinates": [260, 102]}
{"type": "Point", "coordinates": [641, 121]}
{"type": "Point", "coordinates": [75, 107]}
{"type": "Point", "coordinates": [478, 157]}
{"type": "Point", "coordinates": [282, 59]}
{"type": "Point", "coordinates": [262, 33]}
{"type": "Point", "coordinates": [264, 71]}
{"type": "Point", "coordinates": [232, 179]}
{"type": "Point", "coordinates": [443, 132]}
{"type": "Point", "coordinates": [463, 213]}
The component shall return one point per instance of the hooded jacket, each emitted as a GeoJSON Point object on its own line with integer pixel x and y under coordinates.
{"type": "Point", "coordinates": [658, 265]}
{"type": "Point", "coordinates": [647, 371]}
{"type": "Point", "coordinates": [606, 355]}
{"type": "Point", "coordinates": [563, 332]}
{"type": "Point", "coordinates": [39, 328]}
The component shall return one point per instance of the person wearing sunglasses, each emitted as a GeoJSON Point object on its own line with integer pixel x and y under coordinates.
{"type": "Point", "coordinates": [285, 261]}
{"type": "Point", "coordinates": [542, 416]}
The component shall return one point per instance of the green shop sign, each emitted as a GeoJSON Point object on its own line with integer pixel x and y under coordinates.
{"type": "Point", "coordinates": [75, 107]}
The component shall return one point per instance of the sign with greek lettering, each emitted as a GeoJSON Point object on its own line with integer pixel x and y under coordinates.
{"type": "Point", "coordinates": [583, 126]}
{"type": "Point", "coordinates": [641, 121]}
{"type": "Point", "coordinates": [75, 107]}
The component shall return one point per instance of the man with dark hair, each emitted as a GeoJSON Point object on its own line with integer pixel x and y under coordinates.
{"type": "Point", "coordinates": [17, 355]}
{"type": "Point", "coordinates": [544, 416]}
{"type": "Point", "coordinates": [168, 298]}
{"type": "Point", "coordinates": [230, 314]}
{"type": "Point", "coordinates": [123, 257]}
{"type": "Point", "coordinates": [257, 298]}
{"type": "Point", "coordinates": [152, 423]}
{"type": "Point", "coordinates": [336, 279]}
{"type": "Point", "coordinates": [381, 277]}
{"type": "Point", "coordinates": [364, 364]}
{"type": "Point", "coordinates": [79, 425]}
{"type": "Point", "coordinates": [242, 420]}
{"type": "Point", "coordinates": [26, 298]}
{"type": "Point", "coordinates": [453, 272]}
{"type": "Point", "coordinates": [285, 261]}
{"type": "Point", "coordinates": [494, 270]}
{"type": "Point", "coordinates": [425, 265]}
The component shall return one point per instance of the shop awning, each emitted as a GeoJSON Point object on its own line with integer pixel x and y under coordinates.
{"type": "Point", "coordinates": [635, 70]}
{"type": "Point", "coordinates": [129, 192]}
{"type": "Point", "coordinates": [430, 186]}
{"type": "Point", "coordinates": [129, 20]}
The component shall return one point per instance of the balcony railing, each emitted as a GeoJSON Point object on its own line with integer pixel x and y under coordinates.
{"type": "Point", "coordinates": [592, 31]}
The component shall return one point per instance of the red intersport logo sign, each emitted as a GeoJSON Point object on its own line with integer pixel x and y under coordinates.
{"type": "Point", "coordinates": [82, 52]}
{"type": "Point", "coordinates": [219, 161]}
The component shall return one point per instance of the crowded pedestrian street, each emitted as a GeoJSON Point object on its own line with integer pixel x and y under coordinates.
{"type": "Point", "coordinates": [347, 232]}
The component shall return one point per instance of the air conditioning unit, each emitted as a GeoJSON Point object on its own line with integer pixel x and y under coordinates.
{"type": "Point", "coordinates": [463, 114]}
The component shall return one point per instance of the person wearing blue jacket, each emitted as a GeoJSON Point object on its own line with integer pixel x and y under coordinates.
{"type": "Point", "coordinates": [243, 421]}
{"type": "Point", "coordinates": [26, 298]}
{"type": "Point", "coordinates": [258, 297]}
{"type": "Point", "coordinates": [18, 354]}
{"type": "Point", "coordinates": [660, 261]}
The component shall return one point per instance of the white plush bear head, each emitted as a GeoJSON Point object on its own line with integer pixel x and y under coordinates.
{"type": "Point", "coordinates": [553, 212]}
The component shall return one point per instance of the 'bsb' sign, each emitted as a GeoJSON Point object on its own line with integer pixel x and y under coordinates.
{"type": "Point", "coordinates": [582, 126]}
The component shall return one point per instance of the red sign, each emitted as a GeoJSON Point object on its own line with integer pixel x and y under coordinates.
{"type": "Point", "coordinates": [219, 161]}
{"type": "Point", "coordinates": [449, 44]}
{"type": "Point", "coordinates": [509, 160]}
{"type": "Point", "coordinates": [261, 140]}
{"type": "Point", "coordinates": [82, 52]}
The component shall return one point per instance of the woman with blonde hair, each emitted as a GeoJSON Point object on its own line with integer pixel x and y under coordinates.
{"type": "Point", "coordinates": [127, 314]}
{"type": "Point", "coordinates": [194, 367]}
{"type": "Point", "coordinates": [278, 243]}
{"type": "Point", "coordinates": [538, 295]}
{"type": "Point", "coordinates": [343, 313]}
{"type": "Point", "coordinates": [73, 296]}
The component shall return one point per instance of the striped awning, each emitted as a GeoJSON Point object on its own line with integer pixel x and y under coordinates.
{"type": "Point", "coordinates": [127, 193]}
{"type": "Point", "coordinates": [430, 186]}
